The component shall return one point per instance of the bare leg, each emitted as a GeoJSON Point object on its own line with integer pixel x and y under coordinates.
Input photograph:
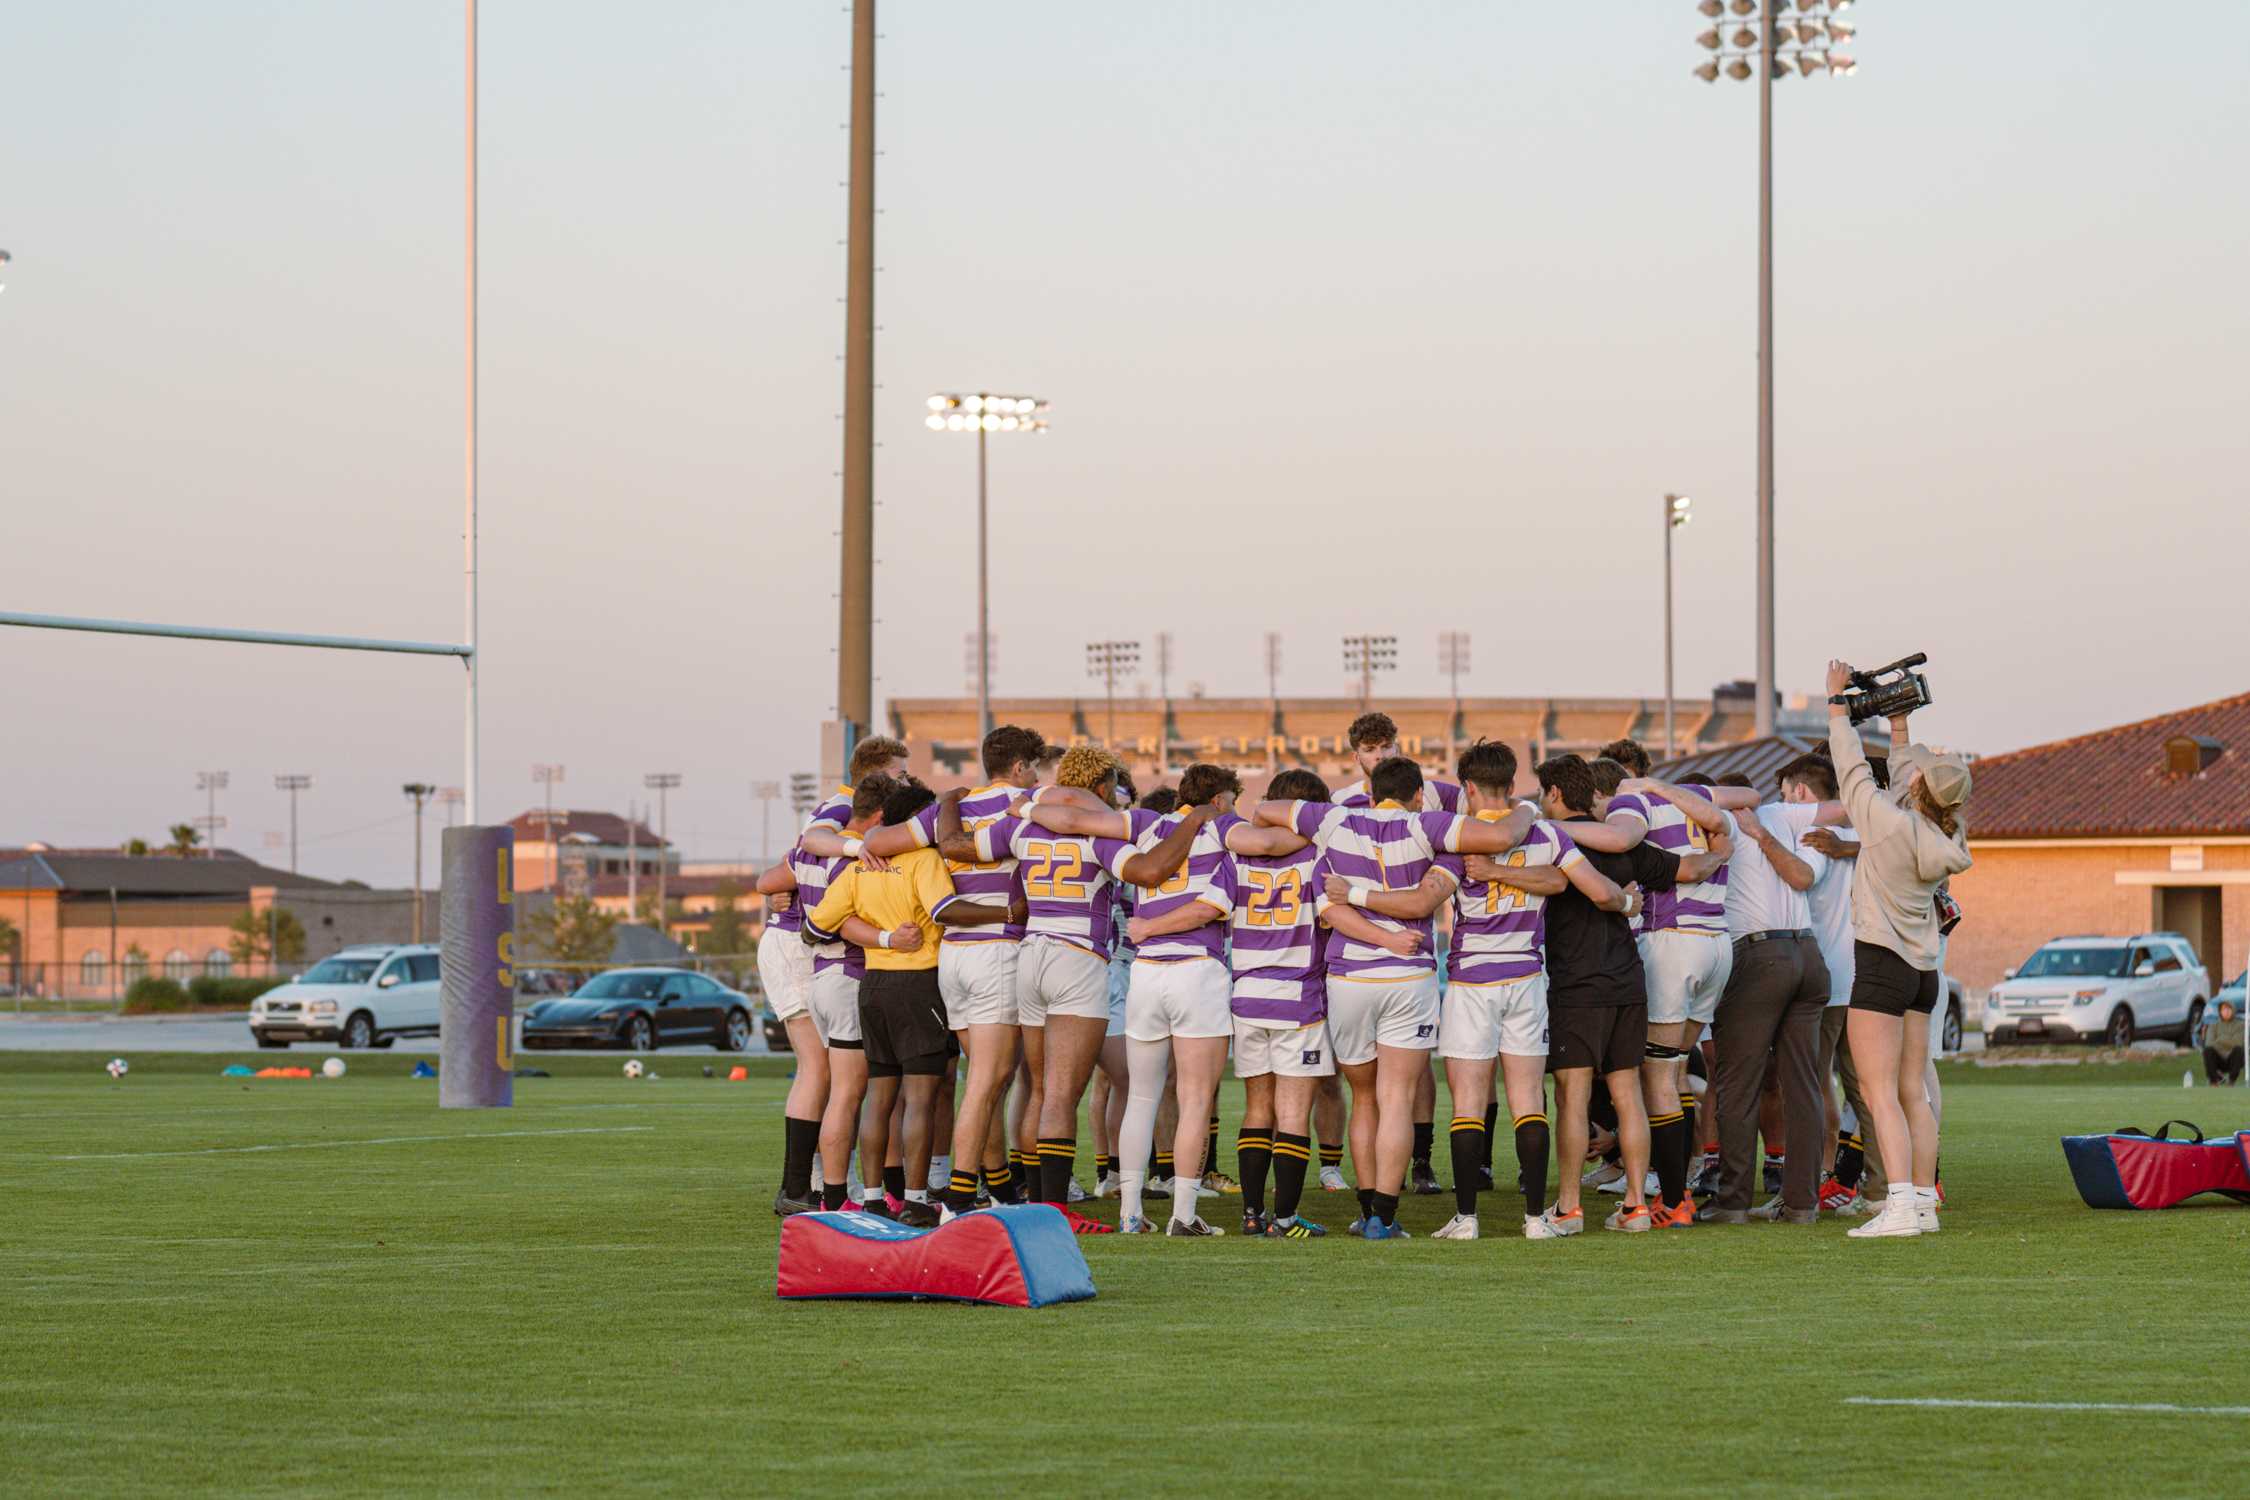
{"type": "Point", "coordinates": [877, 1140]}
{"type": "Point", "coordinates": [920, 1091]}
{"type": "Point", "coordinates": [1914, 1099]}
{"type": "Point", "coordinates": [1114, 1072]}
{"type": "Point", "coordinates": [1632, 1133]}
{"type": "Point", "coordinates": [1876, 1040]}
{"type": "Point", "coordinates": [1258, 1100]}
{"type": "Point", "coordinates": [1574, 1090]}
{"type": "Point", "coordinates": [1034, 1091]}
{"type": "Point", "coordinates": [839, 1123]}
{"type": "Point", "coordinates": [1365, 1113]}
{"type": "Point", "coordinates": [1074, 1043]}
{"type": "Point", "coordinates": [991, 1051]}
{"type": "Point", "coordinates": [1399, 1073]}
{"type": "Point", "coordinates": [1328, 1110]}
{"type": "Point", "coordinates": [1097, 1109]}
{"type": "Point", "coordinates": [808, 1091]}
{"type": "Point", "coordinates": [1197, 1062]}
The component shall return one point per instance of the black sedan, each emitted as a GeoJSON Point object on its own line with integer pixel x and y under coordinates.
{"type": "Point", "coordinates": [642, 1010]}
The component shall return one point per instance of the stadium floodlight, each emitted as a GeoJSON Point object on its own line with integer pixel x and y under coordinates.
{"type": "Point", "coordinates": [1364, 656]}
{"type": "Point", "coordinates": [292, 784]}
{"type": "Point", "coordinates": [982, 412]}
{"type": "Point", "coordinates": [5, 260]}
{"type": "Point", "coordinates": [1110, 660]}
{"type": "Point", "coordinates": [1712, 8]}
{"type": "Point", "coordinates": [1710, 41]}
{"type": "Point", "coordinates": [804, 792]}
{"type": "Point", "coordinates": [1774, 46]}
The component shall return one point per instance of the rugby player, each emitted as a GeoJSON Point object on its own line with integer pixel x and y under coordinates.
{"type": "Point", "coordinates": [1383, 1002]}
{"type": "Point", "coordinates": [893, 914]}
{"type": "Point", "coordinates": [1062, 966]}
{"type": "Point", "coordinates": [785, 971]}
{"type": "Point", "coordinates": [1597, 999]}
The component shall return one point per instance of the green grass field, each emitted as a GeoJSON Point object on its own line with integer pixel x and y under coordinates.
{"type": "Point", "coordinates": [576, 1296]}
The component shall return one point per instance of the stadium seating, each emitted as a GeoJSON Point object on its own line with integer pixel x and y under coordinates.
{"type": "Point", "coordinates": [1016, 1256]}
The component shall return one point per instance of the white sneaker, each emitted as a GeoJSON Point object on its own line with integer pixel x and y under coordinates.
{"type": "Point", "coordinates": [1556, 1227]}
{"type": "Point", "coordinates": [1925, 1214]}
{"type": "Point", "coordinates": [1630, 1219]}
{"type": "Point", "coordinates": [1650, 1185]}
{"type": "Point", "coordinates": [1077, 1193]}
{"type": "Point", "coordinates": [1540, 1227]}
{"type": "Point", "coordinates": [1105, 1186]}
{"type": "Point", "coordinates": [1860, 1207]}
{"type": "Point", "coordinates": [1769, 1210]}
{"type": "Point", "coordinates": [1602, 1176]}
{"type": "Point", "coordinates": [1459, 1227]}
{"type": "Point", "coordinates": [1332, 1179]}
{"type": "Point", "coordinates": [1896, 1219]}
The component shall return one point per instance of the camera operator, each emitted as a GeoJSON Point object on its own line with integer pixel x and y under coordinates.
{"type": "Point", "coordinates": [1911, 842]}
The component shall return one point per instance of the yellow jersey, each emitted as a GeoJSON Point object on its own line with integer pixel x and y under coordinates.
{"type": "Point", "coordinates": [914, 889]}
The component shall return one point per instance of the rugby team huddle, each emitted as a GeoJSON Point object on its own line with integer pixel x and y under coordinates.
{"type": "Point", "coordinates": [956, 971]}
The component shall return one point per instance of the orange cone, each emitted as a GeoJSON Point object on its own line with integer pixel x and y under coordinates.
{"type": "Point", "coordinates": [740, 1074]}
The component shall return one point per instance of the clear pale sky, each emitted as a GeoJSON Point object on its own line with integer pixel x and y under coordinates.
{"type": "Point", "coordinates": [1394, 318]}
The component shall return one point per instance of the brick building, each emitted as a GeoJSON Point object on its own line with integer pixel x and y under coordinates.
{"type": "Point", "coordinates": [2144, 827]}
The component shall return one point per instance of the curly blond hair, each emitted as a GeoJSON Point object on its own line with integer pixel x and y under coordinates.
{"type": "Point", "coordinates": [1086, 767]}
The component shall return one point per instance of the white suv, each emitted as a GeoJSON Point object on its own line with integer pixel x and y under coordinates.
{"type": "Point", "coordinates": [2107, 989]}
{"type": "Point", "coordinates": [362, 997]}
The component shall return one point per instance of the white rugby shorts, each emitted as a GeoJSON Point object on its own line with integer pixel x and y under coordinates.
{"type": "Point", "coordinates": [835, 1005]}
{"type": "Point", "coordinates": [1687, 972]}
{"type": "Point", "coordinates": [1054, 977]}
{"type": "Point", "coordinates": [1179, 997]}
{"type": "Point", "coordinates": [785, 972]}
{"type": "Point", "coordinates": [1482, 1021]}
{"type": "Point", "coordinates": [1365, 1013]}
{"type": "Point", "coordinates": [1284, 1051]}
{"type": "Point", "coordinates": [978, 982]}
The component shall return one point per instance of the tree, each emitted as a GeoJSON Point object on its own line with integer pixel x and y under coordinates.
{"type": "Point", "coordinates": [729, 934]}
{"type": "Point", "coordinates": [256, 935]}
{"type": "Point", "coordinates": [572, 930]}
{"type": "Point", "coordinates": [184, 840]}
{"type": "Point", "coordinates": [11, 944]}
{"type": "Point", "coordinates": [136, 847]}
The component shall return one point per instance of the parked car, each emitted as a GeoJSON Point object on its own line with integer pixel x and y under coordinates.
{"type": "Point", "coordinates": [2105, 989]}
{"type": "Point", "coordinates": [361, 997]}
{"type": "Point", "coordinates": [1956, 1015]}
{"type": "Point", "coordinates": [641, 1010]}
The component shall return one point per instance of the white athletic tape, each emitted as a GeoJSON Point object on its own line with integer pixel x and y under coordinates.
{"type": "Point", "coordinates": [385, 1140]}
{"type": "Point", "coordinates": [2155, 1406]}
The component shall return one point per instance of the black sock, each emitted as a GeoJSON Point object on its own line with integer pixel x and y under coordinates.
{"type": "Point", "coordinates": [1366, 1202]}
{"type": "Point", "coordinates": [1667, 1149]}
{"type": "Point", "coordinates": [1331, 1156]}
{"type": "Point", "coordinates": [1385, 1207]}
{"type": "Point", "coordinates": [833, 1196]}
{"type": "Point", "coordinates": [1291, 1155]}
{"type": "Point", "coordinates": [1160, 1168]}
{"type": "Point", "coordinates": [1469, 1148]}
{"type": "Point", "coordinates": [1851, 1160]}
{"type": "Point", "coordinates": [1425, 1133]}
{"type": "Point", "coordinates": [1688, 1103]}
{"type": "Point", "coordinates": [1057, 1156]}
{"type": "Point", "coordinates": [1253, 1149]}
{"type": "Point", "coordinates": [1105, 1166]}
{"type": "Point", "coordinates": [1531, 1160]}
{"type": "Point", "coordinates": [1491, 1123]}
{"type": "Point", "coordinates": [961, 1192]}
{"type": "Point", "coordinates": [803, 1140]}
{"type": "Point", "coordinates": [894, 1181]}
{"type": "Point", "coordinates": [1211, 1148]}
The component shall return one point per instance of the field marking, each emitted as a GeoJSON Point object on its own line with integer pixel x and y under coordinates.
{"type": "Point", "coordinates": [382, 1140]}
{"type": "Point", "coordinates": [2155, 1406]}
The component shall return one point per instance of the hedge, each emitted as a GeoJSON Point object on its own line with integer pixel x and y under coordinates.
{"type": "Point", "coordinates": [211, 992]}
{"type": "Point", "coordinates": [156, 993]}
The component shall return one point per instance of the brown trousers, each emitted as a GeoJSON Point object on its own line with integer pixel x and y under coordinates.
{"type": "Point", "coordinates": [1771, 1008]}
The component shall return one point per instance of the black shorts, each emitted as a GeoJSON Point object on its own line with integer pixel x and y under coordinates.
{"type": "Point", "coordinates": [1888, 985]}
{"type": "Point", "coordinates": [902, 1022]}
{"type": "Point", "coordinates": [1606, 1038]}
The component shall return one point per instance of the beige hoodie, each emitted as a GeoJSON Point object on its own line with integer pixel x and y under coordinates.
{"type": "Point", "coordinates": [1903, 856]}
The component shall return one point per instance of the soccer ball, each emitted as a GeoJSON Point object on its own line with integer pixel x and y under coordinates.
{"type": "Point", "coordinates": [333, 1068]}
{"type": "Point", "coordinates": [117, 1067]}
{"type": "Point", "coordinates": [633, 1068]}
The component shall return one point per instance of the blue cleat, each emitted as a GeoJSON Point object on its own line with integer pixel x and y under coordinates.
{"type": "Point", "coordinates": [1295, 1228]}
{"type": "Point", "coordinates": [1372, 1228]}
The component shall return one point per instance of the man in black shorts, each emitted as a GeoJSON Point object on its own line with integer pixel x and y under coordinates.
{"type": "Point", "coordinates": [1597, 1000]}
{"type": "Point", "coordinates": [894, 914]}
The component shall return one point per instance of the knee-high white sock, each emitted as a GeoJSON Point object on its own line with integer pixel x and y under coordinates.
{"type": "Point", "coordinates": [1147, 1064]}
{"type": "Point", "coordinates": [1184, 1190]}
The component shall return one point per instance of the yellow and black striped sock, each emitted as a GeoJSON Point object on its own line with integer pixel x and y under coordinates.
{"type": "Point", "coordinates": [1688, 1105]}
{"type": "Point", "coordinates": [1851, 1159]}
{"type": "Point", "coordinates": [961, 1191]}
{"type": "Point", "coordinates": [1468, 1141]}
{"type": "Point", "coordinates": [1105, 1165]}
{"type": "Point", "coordinates": [1292, 1154]}
{"type": "Point", "coordinates": [1253, 1151]}
{"type": "Point", "coordinates": [1531, 1159]}
{"type": "Point", "coordinates": [1057, 1156]}
{"type": "Point", "coordinates": [1000, 1182]}
{"type": "Point", "coordinates": [1667, 1149]}
{"type": "Point", "coordinates": [1331, 1155]}
{"type": "Point", "coordinates": [1211, 1146]}
{"type": "Point", "coordinates": [1161, 1170]}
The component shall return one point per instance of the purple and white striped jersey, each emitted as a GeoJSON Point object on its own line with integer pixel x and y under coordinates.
{"type": "Point", "coordinates": [1066, 878]}
{"type": "Point", "coordinates": [1437, 796]}
{"type": "Point", "coordinates": [1279, 974]}
{"type": "Point", "coordinates": [1204, 876]}
{"type": "Point", "coordinates": [987, 883]}
{"type": "Point", "coordinates": [1386, 848]}
{"type": "Point", "coordinates": [1701, 907]}
{"type": "Point", "coordinates": [1654, 813]}
{"type": "Point", "coordinates": [1499, 932]}
{"type": "Point", "coordinates": [834, 812]}
{"type": "Point", "coordinates": [813, 876]}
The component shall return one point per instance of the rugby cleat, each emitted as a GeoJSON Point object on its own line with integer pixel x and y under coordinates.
{"type": "Point", "coordinates": [1356, 1227]}
{"type": "Point", "coordinates": [784, 1205]}
{"type": "Point", "coordinates": [917, 1215]}
{"type": "Point", "coordinates": [1564, 1224]}
{"type": "Point", "coordinates": [1680, 1217]}
{"type": "Point", "coordinates": [1372, 1228]}
{"type": "Point", "coordinates": [1770, 1210]}
{"type": "Point", "coordinates": [1157, 1187]}
{"type": "Point", "coordinates": [1135, 1225]}
{"type": "Point", "coordinates": [1193, 1229]}
{"type": "Point", "coordinates": [1484, 1180]}
{"type": "Point", "coordinates": [1079, 1223]}
{"type": "Point", "coordinates": [1705, 1182]}
{"type": "Point", "coordinates": [1459, 1227]}
{"type": "Point", "coordinates": [1424, 1181]}
{"type": "Point", "coordinates": [1077, 1193]}
{"type": "Point", "coordinates": [1630, 1218]}
{"type": "Point", "coordinates": [1650, 1183]}
{"type": "Point", "coordinates": [1332, 1180]}
{"type": "Point", "coordinates": [1545, 1227]}
{"type": "Point", "coordinates": [1253, 1224]}
{"type": "Point", "coordinates": [1105, 1186]}
{"type": "Point", "coordinates": [1834, 1195]}
{"type": "Point", "coordinates": [1770, 1173]}
{"type": "Point", "coordinates": [1294, 1228]}
{"type": "Point", "coordinates": [1603, 1175]}
{"type": "Point", "coordinates": [1220, 1182]}
{"type": "Point", "coordinates": [878, 1205]}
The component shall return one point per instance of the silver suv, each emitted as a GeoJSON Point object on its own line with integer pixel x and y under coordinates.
{"type": "Point", "coordinates": [2105, 989]}
{"type": "Point", "coordinates": [367, 996]}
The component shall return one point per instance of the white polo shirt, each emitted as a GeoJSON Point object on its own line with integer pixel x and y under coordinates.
{"type": "Point", "coordinates": [1758, 899]}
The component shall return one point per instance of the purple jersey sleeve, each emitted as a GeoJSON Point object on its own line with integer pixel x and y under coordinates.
{"type": "Point", "coordinates": [924, 826]}
{"type": "Point", "coordinates": [1111, 855]}
{"type": "Point", "coordinates": [1443, 830]}
{"type": "Point", "coordinates": [1308, 818]}
{"type": "Point", "coordinates": [997, 840]}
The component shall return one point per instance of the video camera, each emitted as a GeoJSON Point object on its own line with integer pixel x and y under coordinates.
{"type": "Point", "coordinates": [1887, 692]}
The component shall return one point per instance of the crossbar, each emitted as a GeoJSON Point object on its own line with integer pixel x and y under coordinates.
{"type": "Point", "coordinates": [246, 637]}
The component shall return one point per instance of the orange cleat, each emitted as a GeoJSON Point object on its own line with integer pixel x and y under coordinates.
{"type": "Point", "coordinates": [1080, 1224]}
{"type": "Point", "coordinates": [1673, 1218]}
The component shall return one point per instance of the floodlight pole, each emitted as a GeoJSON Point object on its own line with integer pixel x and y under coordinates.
{"type": "Point", "coordinates": [469, 529]}
{"type": "Point", "coordinates": [1769, 42]}
{"type": "Point", "coordinates": [984, 620]}
{"type": "Point", "coordinates": [855, 671]}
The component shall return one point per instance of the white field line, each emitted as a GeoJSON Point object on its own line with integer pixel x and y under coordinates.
{"type": "Point", "coordinates": [2147, 1406]}
{"type": "Point", "coordinates": [385, 1140]}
